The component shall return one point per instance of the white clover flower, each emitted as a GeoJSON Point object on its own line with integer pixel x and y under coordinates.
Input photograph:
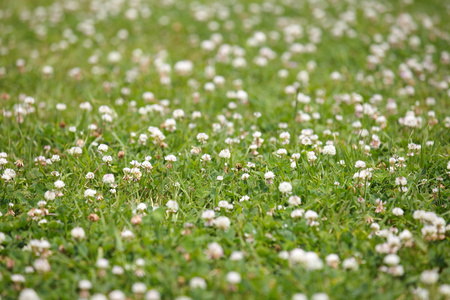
{"type": "Point", "coordinates": [127, 234]}
{"type": "Point", "coordinates": [332, 260]}
{"type": "Point", "coordinates": [208, 214]}
{"type": "Point", "coordinates": [197, 282]}
{"type": "Point", "coordinates": [75, 151]}
{"type": "Point", "coordinates": [311, 156]}
{"type": "Point", "coordinates": [114, 57]}
{"type": "Point", "coordinates": [234, 277]}
{"type": "Point", "coordinates": [294, 201]}
{"type": "Point", "coordinates": [102, 148]}
{"type": "Point", "coordinates": [108, 178]}
{"type": "Point", "coordinates": [84, 284]}
{"type": "Point", "coordinates": [78, 233]}
{"type": "Point", "coordinates": [89, 193]}
{"type": "Point", "coordinates": [350, 264]}
{"type": "Point", "coordinates": [401, 181]}
{"type": "Point", "coordinates": [141, 207]}
{"type": "Point", "coordinates": [269, 175]}
{"type": "Point", "coordinates": [329, 150]}
{"type": "Point", "coordinates": [184, 67]}
{"type": "Point", "coordinates": [3, 161]}
{"type": "Point", "coordinates": [9, 174]}
{"type": "Point", "coordinates": [444, 290]}
{"type": "Point", "coordinates": [222, 223]}
{"type": "Point", "coordinates": [59, 184]}
{"type": "Point", "coordinates": [391, 260]}
{"type": "Point", "coordinates": [117, 295]}
{"type": "Point", "coordinates": [117, 270]}
{"type": "Point", "coordinates": [202, 137]}
{"type": "Point", "coordinates": [281, 152]}
{"type": "Point", "coordinates": [236, 256]}
{"type": "Point", "coordinates": [320, 296]}
{"type": "Point", "coordinates": [172, 206]}
{"type": "Point", "coordinates": [299, 296]}
{"type": "Point", "coordinates": [42, 265]}
{"type": "Point", "coordinates": [98, 296]}
{"type": "Point", "coordinates": [225, 154]}
{"type": "Point", "coordinates": [55, 158]}
{"type": "Point", "coordinates": [429, 277]}
{"type": "Point", "coordinates": [360, 164]}
{"type": "Point", "coordinates": [397, 211]}
{"type": "Point", "coordinates": [206, 157]}
{"type": "Point", "coordinates": [2, 237]}
{"type": "Point", "coordinates": [297, 213]}
{"type": "Point", "coordinates": [138, 288]}
{"type": "Point", "coordinates": [285, 188]}
{"type": "Point", "coordinates": [90, 175]}
{"type": "Point", "coordinates": [152, 295]}
{"type": "Point", "coordinates": [17, 278]}
{"type": "Point", "coordinates": [170, 158]}
{"type": "Point", "coordinates": [214, 251]}
{"type": "Point", "coordinates": [107, 159]}
{"type": "Point", "coordinates": [28, 294]}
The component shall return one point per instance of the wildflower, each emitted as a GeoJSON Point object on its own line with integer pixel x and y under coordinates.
{"type": "Point", "coordinates": [397, 211]}
{"type": "Point", "coordinates": [332, 260]}
{"type": "Point", "coordinates": [391, 260]}
{"type": "Point", "coordinates": [360, 164]}
{"type": "Point", "coordinates": [117, 295]}
{"type": "Point", "coordinates": [285, 188]}
{"type": "Point", "coordinates": [89, 193]}
{"type": "Point", "coordinates": [214, 251]}
{"type": "Point", "coordinates": [78, 233]}
{"type": "Point", "coordinates": [172, 206]}
{"type": "Point", "coordinates": [380, 206]}
{"type": "Point", "coordinates": [236, 256]}
{"type": "Point", "coordinates": [28, 294]}
{"type": "Point", "coordinates": [117, 270]}
{"type": "Point", "coordinates": [108, 178]}
{"type": "Point", "coordinates": [299, 296]}
{"type": "Point", "coordinates": [329, 150]}
{"type": "Point", "coordinates": [9, 174]}
{"type": "Point", "coordinates": [350, 264]}
{"type": "Point", "coordinates": [42, 265]}
{"type": "Point", "coordinates": [208, 216]}
{"type": "Point", "coordinates": [107, 159]}
{"type": "Point", "coordinates": [444, 290]}
{"type": "Point", "coordinates": [138, 288]}
{"type": "Point", "coordinates": [311, 156]}
{"type": "Point", "coordinates": [269, 176]}
{"type": "Point", "coordinates": [400, 181]}
{"type": "Point", "coordinates": [294, 201]}
{"type": "Point", "coordinates": [197, 282]}
{"type": "Point", "coordinates": [429, 276]}
{"type": "Point", "coordinates": [152, 295]}
{"type": "Point", "coordinates": [202, 138]}
{"type": "Point", "coordinates": [222, 223]}
{"type": "Point", "coordinates": [59, 184]}
{"type": "Point", "coordinates": [297, 213]}
{"type": "Point", "coordinates": [234, 278]}
{"type": "Point", "coordinates": [320, 296]}
{"type": "Point", "coordinates": [170, 158]}
{"type": "Point", "coordinates": [225, 154]}
{"type": "Point", "coordinates": [75, 151]}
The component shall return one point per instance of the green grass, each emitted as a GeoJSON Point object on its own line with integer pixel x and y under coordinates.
{"type": "Point", "coordinates": [173, 245]}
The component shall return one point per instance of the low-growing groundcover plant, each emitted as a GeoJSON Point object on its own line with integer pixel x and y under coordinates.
{"type": "Point", "coordinates": [264, 149]}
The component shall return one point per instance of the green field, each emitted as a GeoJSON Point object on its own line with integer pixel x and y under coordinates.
{"type": "Point", "coordinates": [174, 149]}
